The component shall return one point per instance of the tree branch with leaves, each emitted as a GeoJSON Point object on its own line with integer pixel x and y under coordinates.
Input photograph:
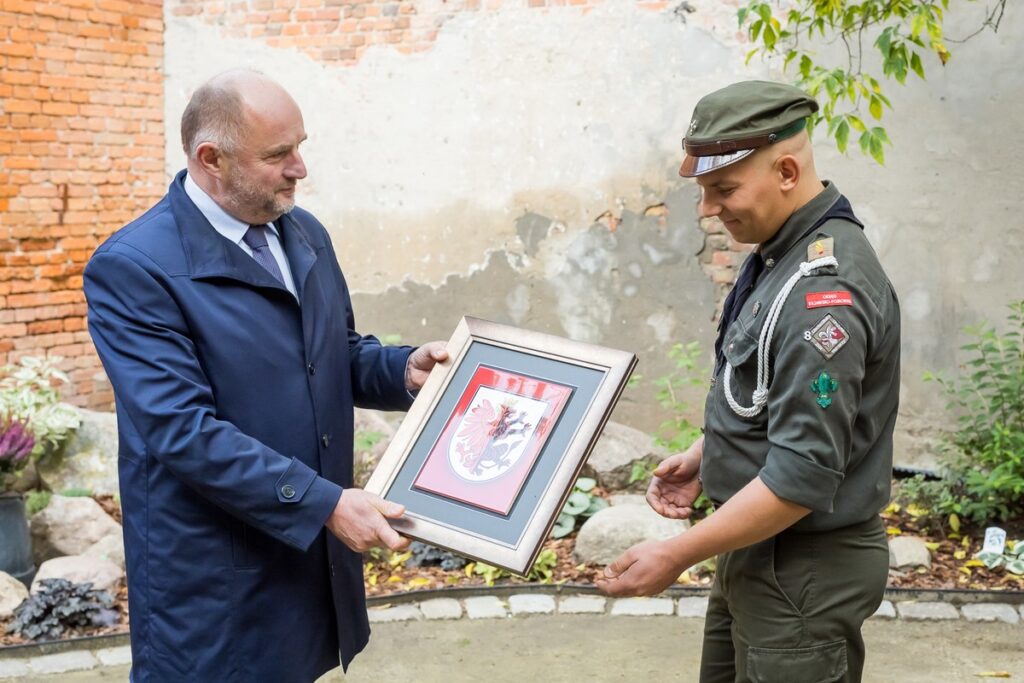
{"type": "Point", "coordinates": [852, 97]}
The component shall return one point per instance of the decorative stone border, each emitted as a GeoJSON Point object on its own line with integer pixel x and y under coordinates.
{"type": "Point", "coordinates": [507, 602]}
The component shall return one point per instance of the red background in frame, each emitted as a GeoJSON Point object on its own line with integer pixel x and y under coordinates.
{"type": "Point", "coordinates": [500, 493]}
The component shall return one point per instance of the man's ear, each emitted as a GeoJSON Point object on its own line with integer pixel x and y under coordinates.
{"type": "Point", "coordinates": [210, 159]}
{"type": "Point", "coordinates": [788, 169]}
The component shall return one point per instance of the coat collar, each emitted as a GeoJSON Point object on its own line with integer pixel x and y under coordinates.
{"type": "Point", "coordinates": [210, 255]}
{"type": "Point", "coordinates": [799, 222]}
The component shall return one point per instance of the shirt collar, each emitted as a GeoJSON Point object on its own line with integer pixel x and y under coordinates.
{"type": "Point", "coordinates": [223, 222]}
{"type": "Point", "coordinates": [799, 222]}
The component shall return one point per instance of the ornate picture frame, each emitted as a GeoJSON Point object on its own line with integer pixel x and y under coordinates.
{"type": "Point", "coordinates": [490, 449]}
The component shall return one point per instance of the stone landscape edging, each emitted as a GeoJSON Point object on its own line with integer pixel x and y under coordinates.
{"type": "Point", "coordinates": [525, 600]}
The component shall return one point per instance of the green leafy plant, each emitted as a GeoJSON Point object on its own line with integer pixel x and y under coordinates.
{"type": "Point", "coordinates": [904, 33]}
{"type": "Point", "coordinates": [582, 503]}
{"type": "Point", "coordinates": [1012, 558]}
{"type": "Point", "coordinates": [366, 440]}
{"type": "Point", "coordinates": [36, 501]}
{"type": "Point", "coordinates": [983, 479]}
{"type": "Point", "coordinates": [677, 432]}
{"type": "Point", "coordinates": [490, 573]}
{"type": "Point", "coordinates": [29, 392]}
{"type": "Point", "coordinates": [542, 571]}
{"type": "Point", "coordinates": [59, 606]}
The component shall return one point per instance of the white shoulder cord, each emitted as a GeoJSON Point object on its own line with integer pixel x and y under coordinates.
{"type": "Point", "coordinates": [764, 342]}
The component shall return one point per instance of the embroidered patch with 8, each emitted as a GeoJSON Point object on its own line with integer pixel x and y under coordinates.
{"type": "Point", "coordinates": [828, 336]}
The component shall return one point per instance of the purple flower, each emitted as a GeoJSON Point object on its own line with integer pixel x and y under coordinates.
{"type": "Point", "coordinates": [16, 443]}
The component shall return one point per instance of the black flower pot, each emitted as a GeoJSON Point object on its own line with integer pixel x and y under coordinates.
{"type": "Point", "coordinates": [15, 540]}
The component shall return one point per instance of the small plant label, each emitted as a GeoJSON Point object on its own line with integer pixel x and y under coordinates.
{"type": "Point", "coordinates": [995, 540]}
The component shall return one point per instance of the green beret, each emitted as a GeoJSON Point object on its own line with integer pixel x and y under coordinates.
{"type": "Point", "coordinates": [729, 124]}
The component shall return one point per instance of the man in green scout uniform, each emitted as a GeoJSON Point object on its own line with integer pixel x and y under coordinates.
{"type": "Point", "coordinates": [797, 450]}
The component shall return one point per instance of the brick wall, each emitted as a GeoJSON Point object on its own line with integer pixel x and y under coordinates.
{"type": "Point", "coordinates": [81, 154]}
{"type": "Point", "coordinates": [340, 31]}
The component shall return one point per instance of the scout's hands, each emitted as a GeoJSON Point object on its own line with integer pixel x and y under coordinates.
{"type": "Point", "coordinates": [647, 568]}
{"type": "Point", "coordinates": [420, 363]}
{"type": "Point", "coordinates": [360, 521]}
{"type": "Point", "coordinates": [676, 483]}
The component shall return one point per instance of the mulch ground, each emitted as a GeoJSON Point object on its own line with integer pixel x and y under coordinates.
{"type": "Point", "coordinates": [953, 567]}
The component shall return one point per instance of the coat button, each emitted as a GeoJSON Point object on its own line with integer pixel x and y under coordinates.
{"type": "Point", "coordinates": [769, 262]}
{"type": "Point", "coordinates": [325, 440]}
{"type": "Point", "coordinates": [288, 491]}
{"type": "Point", "coordinates": [311, 368]}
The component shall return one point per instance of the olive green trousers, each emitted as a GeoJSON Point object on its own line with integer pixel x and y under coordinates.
{"type": "Point", "coordinates": [790, 609]}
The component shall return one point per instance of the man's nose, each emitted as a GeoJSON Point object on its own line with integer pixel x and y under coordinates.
{"type": "Point", "coordinates": [296, 168]}
{"type": "Point", "coordinates": [707, 207]}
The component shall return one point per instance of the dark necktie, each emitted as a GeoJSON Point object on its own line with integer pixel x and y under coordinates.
{"type": "Point", "coordinates": [256, 238]}
{"type": "Point", "coordinates": [752, 267]}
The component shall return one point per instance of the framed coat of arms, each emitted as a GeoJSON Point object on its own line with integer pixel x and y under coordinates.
{"type": "Point", "coordinates": [488, 453]}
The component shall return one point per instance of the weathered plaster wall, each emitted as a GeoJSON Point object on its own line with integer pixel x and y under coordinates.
{"type": "Point", "coordinates": [522, 168]}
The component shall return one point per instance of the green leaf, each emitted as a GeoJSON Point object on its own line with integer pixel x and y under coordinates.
{"type": "Point", "coordinates": [1015, 566]}
{"type": "Point", "coordinates": [577, 503]}
{"type": "Point", "coordinates": [842, 135]}
{"type": "Point", "coordinates": [875, 107]}
{"type": "Point", "coordinates": [597, 504]}
{"type": "Point", "coordinates": [564, 525]}
{"type": "Point", "coordinates": [915, 65]}
{"type": "Point", "coordinates": [585, 483]}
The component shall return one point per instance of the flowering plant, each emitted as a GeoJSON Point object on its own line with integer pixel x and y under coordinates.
{"type": "Point", "coordinates": [16, 444]}
{"type": "Point", "coordinates": [32, 419]}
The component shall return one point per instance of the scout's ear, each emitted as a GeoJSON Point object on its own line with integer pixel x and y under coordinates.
{"type": "Point", "coordinates": [788, 169]}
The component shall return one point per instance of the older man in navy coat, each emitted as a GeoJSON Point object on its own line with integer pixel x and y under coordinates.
{"type": "Point", "coordinates": [225, 325]}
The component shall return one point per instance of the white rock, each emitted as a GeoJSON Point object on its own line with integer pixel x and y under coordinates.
{"type": "Point", "coordinates": [908, 551]}
{"type": "Point", "coordinates": [693, 607]}
{"type": "Point", "coordinates": [643, 607]}
{"type": "Point", "coordinates": [12, 594]}
{"type": "Point", "coordinates": [88, 459]}
{"type": "Point", "coordinates": [441, 608]}
{"type": "Point", "coordinates": [927, 611]}
{"type": "Point", "coordinates": [886, 610]}
{"type": "Point", "coordinates": [102, 574]}
{"type": "Point", "coordinates": [63, 662]}
{"type": "Point", "coordinates": [14, 668]}
{"type": "Point", "coordinates": [611, 461]}
{"type": "Point", "coordinates": [485, 607]}
{"type": "Point", "coordinates": [110, 548]}
{"type": "Point", "coordinates": [582, 604]}
{"type": "Point", "coordinates": [608, 533]}
{"type": "Point", "coordinates": [115, 656]}
{"type": "Point", "coordinates": [68, 526]}
{"type": "Point", "coordinates": [991, 612]}
{"type": "Point", "coordinates": [397, 613]}
{"type": "Point", "coordinates": [528, 603]}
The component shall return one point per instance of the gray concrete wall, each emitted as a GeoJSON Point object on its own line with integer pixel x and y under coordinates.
{"type": "Point", "coordinates": [523, 169]}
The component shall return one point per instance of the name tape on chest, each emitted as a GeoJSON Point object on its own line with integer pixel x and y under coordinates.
{"type": "Point", "coordinates": [835, 298]}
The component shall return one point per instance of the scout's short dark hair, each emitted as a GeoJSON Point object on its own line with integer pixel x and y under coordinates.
{"type": "Point", "coordinates": [216, 114]}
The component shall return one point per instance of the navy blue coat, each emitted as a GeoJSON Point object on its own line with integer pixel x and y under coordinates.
{"type": "Point", "coordinates": [234, 411]}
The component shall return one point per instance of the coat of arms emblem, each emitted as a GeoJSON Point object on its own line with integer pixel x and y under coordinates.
{"type": "Point", "coordinates": [493, 434]}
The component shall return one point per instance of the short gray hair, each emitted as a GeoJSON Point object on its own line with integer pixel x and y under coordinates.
{"type": "Point", "coordinates": [215, 114]}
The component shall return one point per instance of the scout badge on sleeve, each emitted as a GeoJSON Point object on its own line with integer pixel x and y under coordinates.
{"type": "Point", "coordinates": [823, 386]}
{"type": "Point", "coordinates": [828, 336]}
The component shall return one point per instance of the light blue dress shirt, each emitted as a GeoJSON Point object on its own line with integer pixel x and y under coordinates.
{"type": "Point", "coordinates": [234, 229]}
